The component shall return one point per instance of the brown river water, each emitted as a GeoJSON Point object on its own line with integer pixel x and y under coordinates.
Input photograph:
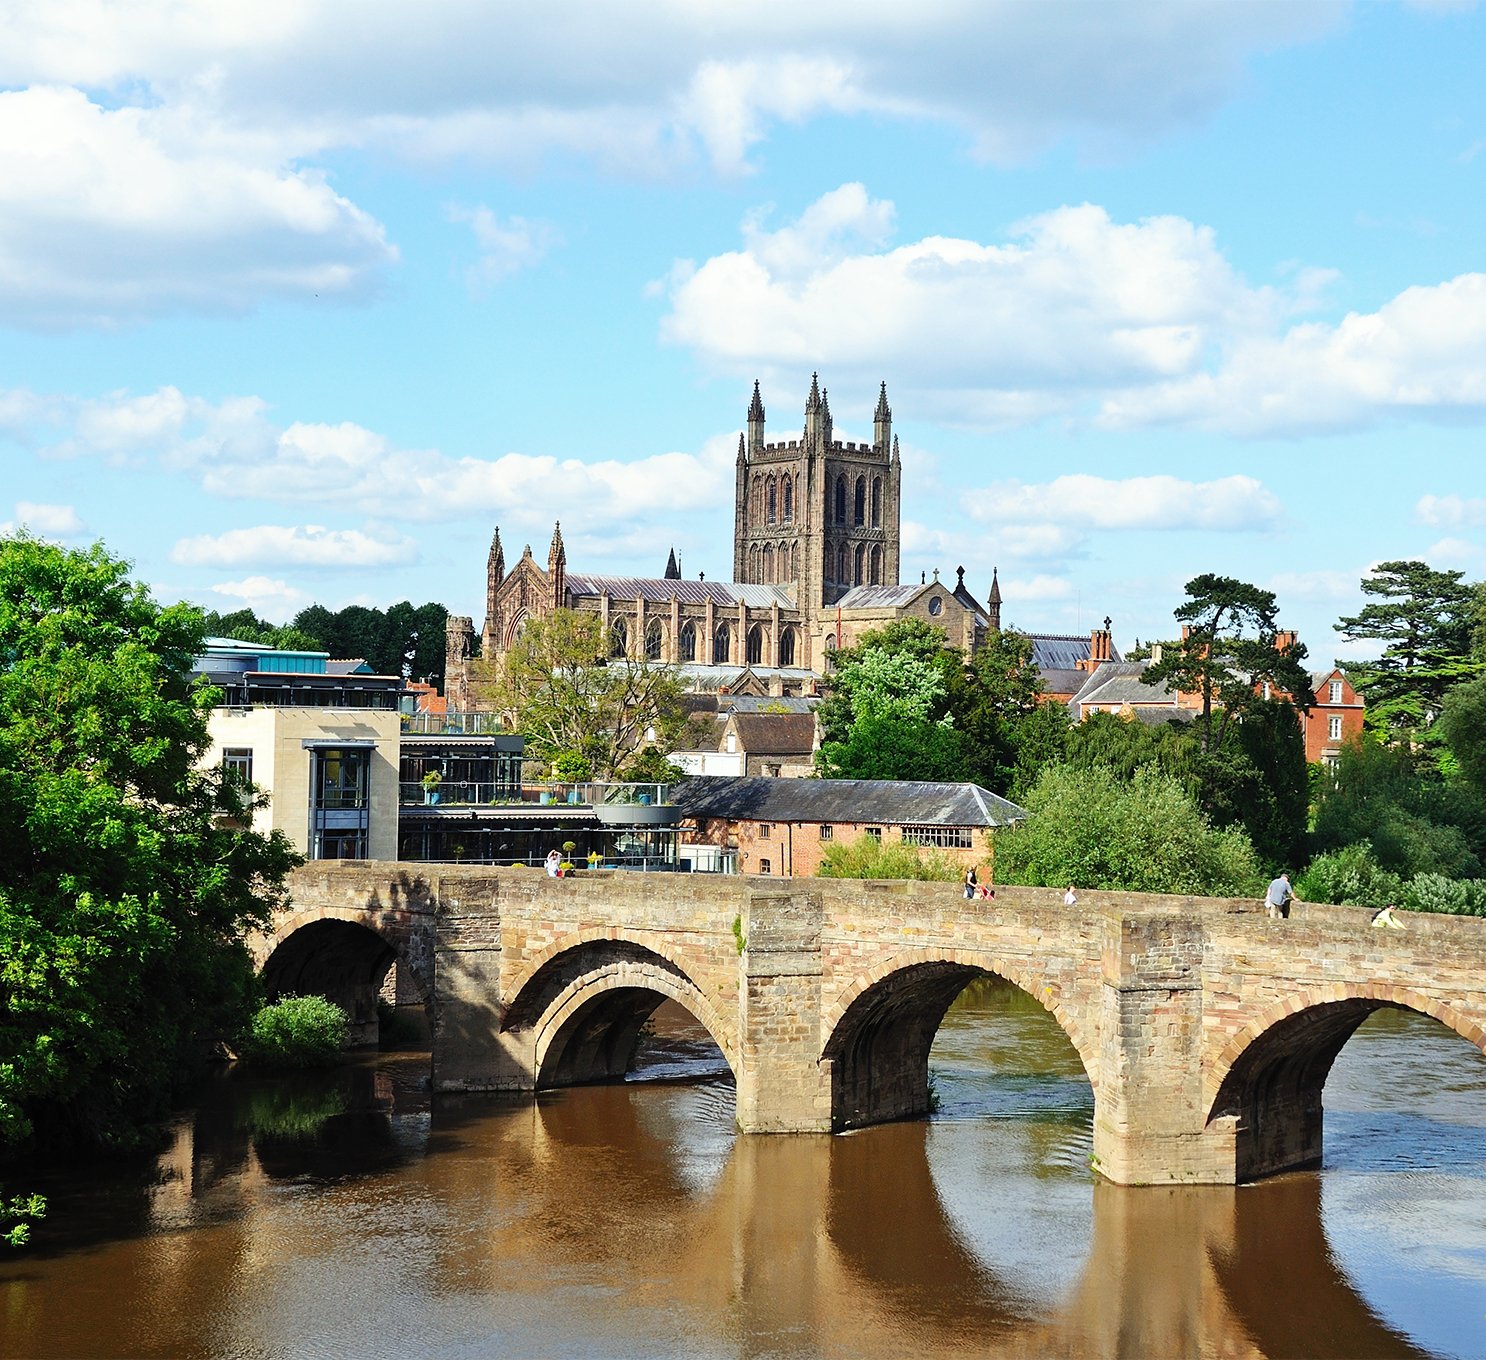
{"type": "Point", "coordinates": [348, 1214]}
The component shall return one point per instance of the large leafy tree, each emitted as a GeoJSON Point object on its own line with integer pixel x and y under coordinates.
{"type": "Point", "coordinates": [127, 880]}
{"type": "Point", "coordinates": [571, 700]}
{"type": "Point", "coordinates": [403, 640]}
{"type": "Point", "coordinates": [1424, 619]}
{"type": "Point", "coordinates": [1228, 654]}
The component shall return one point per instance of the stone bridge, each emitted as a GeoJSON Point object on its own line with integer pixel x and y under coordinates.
{"type": "Point", "coordinates": [1206, 1029]}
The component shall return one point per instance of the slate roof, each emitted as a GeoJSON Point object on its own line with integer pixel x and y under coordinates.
{"type": "Point", "coordinates": [881, 597]}
{"type": "Point", "coordinates": [1063, 682]}
{"type": "Point", "coordinates": [783, 734]}
{"type": "Point", "coordinates": [1119, 682]}
{"type": "Point", "coordinates": [1063, 651]}
{"type": "Point", "coordinates": [890, 802]}
{"type": "Point", "coordinates": [660, 591]}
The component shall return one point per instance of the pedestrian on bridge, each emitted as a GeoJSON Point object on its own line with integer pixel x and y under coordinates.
{"type": "Point", "coordinates": [970, 881]}
{"type": "Point", "coordinates": [1278, 896]}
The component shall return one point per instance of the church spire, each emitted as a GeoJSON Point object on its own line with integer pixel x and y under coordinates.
{"type": "Point", "coordinates": [673, 567]}
{"type": "Point", "coordinates": [755, 422]}
{"type": "Point", "coordinates": [496, 562]}
{"type": "Point", "coordinates": [882, 424]}
{"type": "Point", "coordinates": [813, 413]}
{"type": "Point", "coordinates": [557, 566]}
{"type": "Point", "coordinates": [993, 613]}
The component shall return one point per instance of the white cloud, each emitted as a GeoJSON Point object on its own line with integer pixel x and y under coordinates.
{"type": "Point", "coordinates": [1227, 504]}
{"type": "Point", "coordinates": [309, 545]}
{"type": "Point", "coordinates": [1423, 353]}
{"type": "Point", "coordinates": [1452, 511]}
{"type": "Point", "coordinates": [1125, 325]}
{"type": "Point", "coordinates": [506, 247]}
{"type": "Point", "coordinates": [269, 598]}
{"type": "Point", "coordinates": [116, 214]}
{"type": "Point", "coordinates": [46, 521]}
{"type": "Point", "coordinates": [234, 450]}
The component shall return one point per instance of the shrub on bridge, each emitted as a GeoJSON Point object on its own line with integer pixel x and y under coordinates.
{"type": "Point", "coordinates": [867, 858]}
{"type": "Point", "coordinates": [297, 1031]}
{"type": "Point", "coordinates": [1452, 896]}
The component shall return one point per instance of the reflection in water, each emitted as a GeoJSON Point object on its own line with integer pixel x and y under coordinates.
{"type": "Point", "coordinates": [346, 1215]}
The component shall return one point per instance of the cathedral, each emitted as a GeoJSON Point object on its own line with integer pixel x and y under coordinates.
{"type": "Point", "coordinates": [816, 542]}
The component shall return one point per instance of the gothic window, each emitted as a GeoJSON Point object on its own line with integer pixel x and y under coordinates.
{"type": "Point", "coordinates": [830, 652]}
{"type": "Point", "coordinates": [843, 566]}
{"type": "Point", "coordinates": [787, 647]}
{"type": "Point", "coordinates": [768, 575]}
{"type": "Point", "coordinates": [841, 499]}
{"type": "Point", "coordinates": [688, 641]}
{"type": "Point", "coordinates": [618, 638]}
{"type": "Point", "coordinates": [875, 578]}
{"type": "Point", "coordinates": [789, 501]}
{"type": "Point", "coordinates": [859, 507]}
{"type": "Point", "coordinates": [773, 501]}
{"type": "Point", "coordinates": [861, 561]}
{"type": "Point", "coordinates": [877, 502]}
{"type": "Point", "coordinates": [654, 640]}
{"type": "Point", "coordinates": [721, 645]}
{"type": "Point", "coordinates": [755, 562]}
{"type": "Point", "coordinates": [755, 646]}
{"type": "Point", "coordinates": [756, 500]}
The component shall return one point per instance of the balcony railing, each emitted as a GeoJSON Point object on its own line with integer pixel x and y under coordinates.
{"type": "Point", "coordinates": [614, 797]}
{"type": "Point", "coordinates": [454, 724]}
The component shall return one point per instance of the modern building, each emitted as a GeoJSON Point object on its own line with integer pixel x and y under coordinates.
{"type": "Point", "coordinates": [319, 737]}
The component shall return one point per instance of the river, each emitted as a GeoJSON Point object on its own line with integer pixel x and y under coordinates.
{"type": "Point", "coordinates": [347, 1214]}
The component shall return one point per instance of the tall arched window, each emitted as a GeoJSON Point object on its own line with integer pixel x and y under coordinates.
{"type": "Point", "coordinates": [877, 502]}
{"type": "Point", "coordinates": [841, 499]}
{"type": "Point", "coordinates": [755, 646]}
{"type": "Point", "coordinates": [618, 638]}
{"type": "Point", "coordinates": [768, 576]}
{"type": "Point", "coordinates": [688, 641]}
{"type": "Point", "coordinates": [830, 652]}
{"type": "Point", "coordinates": [721, 646]}
{"type": "Point", "coordinates": [755, 562]}
{"type": "Point", "coordinates": [787, 647]}
{"type": "Point", "coordinates": [654, 640]}
{"type": "Point", "coordinates": [874, 576]}
{"type": "Point", "coordinates": [843, 566]}
{"type": "Point", "coordinates": [859, 506]}
{"type": "Point", "coordinates": [756, 499]}
{"type": "Point", "coordinates": [773, 513]}
{"type": "Point", "coordinates": [789, 501]}
{"type": "Point", "coordinates": [860, 563]}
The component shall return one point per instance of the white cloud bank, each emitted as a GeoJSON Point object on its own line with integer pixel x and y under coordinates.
{"type": "Point", "coordinates": [305, 545]}
{"type": "Point", "coordinates": [45, 521]}
{"type": "Point", "coordinates": [172, 155]}
{"type": "Point", "coordinates": [1123, 325]}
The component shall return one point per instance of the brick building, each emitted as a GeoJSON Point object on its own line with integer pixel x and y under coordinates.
{"type": "Point", "coordinates": [781, 826]}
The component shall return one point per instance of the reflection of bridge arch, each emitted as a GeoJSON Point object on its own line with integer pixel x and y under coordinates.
{"type": "Point", "coordinates": [583, 1002]}
{"type": "Point", "coordinates": [1270, 1075]}
{"type": "Point", "coordinates": [881, 1028]}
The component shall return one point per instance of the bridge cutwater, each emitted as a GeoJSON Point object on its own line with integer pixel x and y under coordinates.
{"type": "Point", "coordinates": [1206, 1029]}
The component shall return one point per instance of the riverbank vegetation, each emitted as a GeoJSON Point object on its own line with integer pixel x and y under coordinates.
{"type": "Point", "coordinates": [129, 876]}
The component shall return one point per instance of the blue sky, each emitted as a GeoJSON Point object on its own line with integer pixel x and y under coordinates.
{"type": "Point", "coordinates": [299, 299]}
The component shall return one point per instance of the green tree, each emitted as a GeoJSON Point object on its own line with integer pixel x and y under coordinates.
{"type": "Point", "coordinates": [244, 625]}
{"type": "Point", "coordinates": [1463, 726]}
{"type": "Point", "coordinates": [885, 747]}
{"type": "Point", "coordinates": [127, 881]}
{"type": "Point", "coordinates": [1143, 834]}
{"type": "Point", "coordinates": [1424, 619]}
{"type": "Point", "coordinates": [566, 695]}
{"type": "Point", "coordinates": [1228, 654]}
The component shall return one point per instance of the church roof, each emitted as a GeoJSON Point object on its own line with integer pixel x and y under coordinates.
{"type": "Point", "coordinates": [1063, 651]}
{"type": "Point", "coordinates": [781, 734]}
{"type": "Point", "coordinates": [882, 597]}
{"type": "Point", "coordinates": [893, 802]}
{"type": "Point", "coordinates": [661, 591]}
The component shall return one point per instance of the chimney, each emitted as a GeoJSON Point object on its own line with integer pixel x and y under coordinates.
{"type": "Point", "coordinates": [1155, 653]}
{"type": "Point", "coordinates": [1099, 645]}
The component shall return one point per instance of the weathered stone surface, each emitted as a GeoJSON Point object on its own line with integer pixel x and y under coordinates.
{"type": "Point", "coordinates": [1206, 1029]}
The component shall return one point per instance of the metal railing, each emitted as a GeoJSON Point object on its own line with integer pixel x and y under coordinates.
{"type": "Point", "coordinates": [454, 724]}
{"type": "Point", "coordinates": [464, 793]}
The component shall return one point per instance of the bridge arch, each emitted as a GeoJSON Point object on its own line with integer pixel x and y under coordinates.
{"type": "Point", "coordinates": [1268, 1079]}
{"type": "Point", "coordinates": [880, 1030]}
{"type": "Point", "coordinates": [342, 955]}
{"type": "Point", "coordinates": [583, 1002]}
